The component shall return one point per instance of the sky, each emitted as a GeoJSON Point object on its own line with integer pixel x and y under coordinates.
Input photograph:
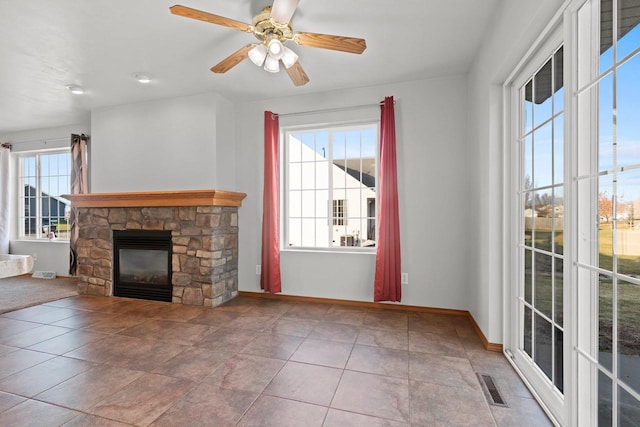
{"type": "Point", "coordinates": [624, 111]}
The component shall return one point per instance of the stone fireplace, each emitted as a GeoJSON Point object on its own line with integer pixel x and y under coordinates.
{"type": "Point", "coordinates": [203, 227]}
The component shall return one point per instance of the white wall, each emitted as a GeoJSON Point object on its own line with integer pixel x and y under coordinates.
{"type": "Point", "coordinates": [168, 144]}
{"type": "Point", "coordinates": [515, 28]}
{"type": "Point", "coordinates": [50, 256]}
{"type": "Point", "coordinates": [433, 178]}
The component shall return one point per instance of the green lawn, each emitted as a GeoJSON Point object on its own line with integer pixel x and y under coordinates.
{"type": "Point", "coordinates": [628, 302]}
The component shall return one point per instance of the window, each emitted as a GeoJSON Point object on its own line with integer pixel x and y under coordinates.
{"type": "Point", "coordinates": [329, 187]}
{"type": "Point", "coordinates": [607, 186]}
{"type": "Point", "coordinates": [541, 145]}
{"type": "Point", "coordinates": [44, 176]}
{"type": "Point", "coordinates": [338, 212]}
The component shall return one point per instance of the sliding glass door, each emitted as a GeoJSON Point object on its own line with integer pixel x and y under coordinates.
{"type": "Point", "coordinates": [572, 325]}
{"type": "Point", "coordinates": [606, 174]}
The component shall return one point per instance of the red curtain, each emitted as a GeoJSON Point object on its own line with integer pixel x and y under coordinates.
{"type": "Point", "coordinates": [270, 273]}
{"type": "Point", "coordinates": [387, 279]}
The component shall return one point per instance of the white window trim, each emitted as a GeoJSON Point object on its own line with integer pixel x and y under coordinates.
{"type": "Point", "coordinates": [552, 401]}
{"type": "Point", "coordinates": [19, 195]}
{"type": "Point", "coordinates": [284, 214]}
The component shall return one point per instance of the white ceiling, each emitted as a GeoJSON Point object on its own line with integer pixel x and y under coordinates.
{"type": "Point", "coordinates": [100, 44]}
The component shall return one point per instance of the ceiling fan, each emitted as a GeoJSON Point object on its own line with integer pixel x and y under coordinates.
{"type": "Point", "coordinates": [272, 27]}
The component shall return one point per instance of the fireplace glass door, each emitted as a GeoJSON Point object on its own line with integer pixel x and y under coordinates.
{"type": "Point", "coordinates": [142, 264]}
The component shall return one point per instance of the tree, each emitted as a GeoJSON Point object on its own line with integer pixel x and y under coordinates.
{"type": "Point", "coordinates": [605, 206]}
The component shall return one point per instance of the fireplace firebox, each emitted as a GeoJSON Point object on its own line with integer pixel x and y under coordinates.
{"type": "Point", "coordinates": [142, 264]}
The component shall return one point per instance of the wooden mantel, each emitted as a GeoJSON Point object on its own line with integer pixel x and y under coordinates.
{"type": "Point", "coordinates": [156, 198]}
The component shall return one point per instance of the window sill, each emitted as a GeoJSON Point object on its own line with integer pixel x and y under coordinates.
{"type": "Point", "coordinates": [340, 250]}
{"type": "Point", "coordinates": [41, 241]}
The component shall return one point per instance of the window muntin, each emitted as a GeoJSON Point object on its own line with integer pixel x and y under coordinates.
{"type": "Point", "coordinates": [44, 176]}
{"type": "Point", "coordinates": [329, 178]}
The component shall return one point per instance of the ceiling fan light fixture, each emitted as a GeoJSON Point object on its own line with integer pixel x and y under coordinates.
{"type": "Point", "coordinates": [289, 57]}
{"type": "Point", "coordinates": [271, 64]}
{"type": "Point", "coordinates": [75, 89]}
{"type": "Point", "coordinates": [142, 78]}
{"type": "Point", "coordinates": [276, 49]}
{"type": "Point", "coordinates": [258, 54]}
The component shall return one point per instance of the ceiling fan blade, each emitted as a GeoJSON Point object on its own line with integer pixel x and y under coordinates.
{"type": "Point", "coordinates": [187, 12]}
{"type": "Point", "coordinates": [282, 10]}
{"type": "Point", "coordinates": [328, 41]}
{"type": "Point", "coordinates": [297, 74]}
{"type": "Point", "coordinates": [232, 60]}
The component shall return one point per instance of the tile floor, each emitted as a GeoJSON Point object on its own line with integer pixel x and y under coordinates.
{"type": "Point", "coordinates": [96, 361]}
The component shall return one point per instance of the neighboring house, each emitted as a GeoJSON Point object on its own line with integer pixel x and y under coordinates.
{"type": "Point", "coordinates": [53, 209]}
{"type": "Point", "coordinates": [353, 206]}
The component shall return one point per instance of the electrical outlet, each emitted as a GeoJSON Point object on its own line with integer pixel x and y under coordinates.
{"type": "Point", "coordinates": [404, 278]}
{"type": "Point", "coordinates": [35, 256]}
{"type": "Point", "coordinates": [258, 269]}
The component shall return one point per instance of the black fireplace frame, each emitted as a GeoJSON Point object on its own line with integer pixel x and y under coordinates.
{"type": "Point", "coordinates": [142, 239]}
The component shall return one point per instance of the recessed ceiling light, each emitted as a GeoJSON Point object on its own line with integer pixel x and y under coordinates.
{"type": "Point", "coordinates": [142, 77]}
{"type": "Point", "coordinates": [75, 89]}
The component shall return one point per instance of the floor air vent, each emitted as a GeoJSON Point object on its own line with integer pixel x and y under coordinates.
{"type": "Point", "coordinates": [491, 391]}
{"type": "Point", "coordinates": [44, 274]}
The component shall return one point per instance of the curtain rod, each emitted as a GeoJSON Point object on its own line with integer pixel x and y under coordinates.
{"type": "Point", "coordinates": [330, 110]}
{"type": "Point", "coordinates": [44, 141]}
{"type": "Point", "coordinates": [6, 145]}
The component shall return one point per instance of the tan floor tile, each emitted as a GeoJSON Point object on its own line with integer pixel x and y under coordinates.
{"type": "Point", "coordinates": [306, 310]}
{"type": "Point", "coordinates": [386, 319]}
{"type": "Point", "coordinates": [294, 327]}
{"type": "Point", "coordinates": [43, 376]}
{"type": "Point", "coordinates": [335, 332]}
{"type": "Point", "coordinates": [32, 413]}
{"type": "Point", "coordinates": [433, 326]}
{"type": "Point", "coordinates": [274, 411]}
{"type": "Point", "coordinates": [227, 339]}
{"type": "Point", "coordinates": [381, 361]}
{"type": "Point", "coordinates": [19, 360]}
{"type": "Point", "coordinates": [208, 405]}
{"type": "Point", "coordinates": [180, 313]}
{"type": "Point", "coordinates": [5, 349]}
{"type": "Point", "coordinates": [444, 370]}
{"type": "Point", "coordinates": [176, 332]}
{"type": "Point", "coordinates": [115, 323]}
{"type": "Point", "coordinates": [87, 420]}
{"type": "Point", "coordinates": [10, 327]}
{"type": "Point", "coordinates": [30, 313]}
{"type": "Point", "coordinates": [383, 338]}
{"type": "Point", "coordinates": [67, 342]}
{"type": "Point", "coordinates": [84, 319]}
{"type": "Point", "coordinates": [439, 405]}
{"type": "Point", "coordinates": [143, 400]}
{"type": "Point", "coordinates": [34, 336]}
{"type": "Point", "coordinates": [336, 418]}
{"type": "Point", "coordinates": [245, 372]}
{"type": "Point", "coordinates": [254, 323]}
{"type": "Point", "coordinates": [445, 345]}
{"type": "Point", "coordinates": [346, 315]}
{"type": "Point", "coordinates": [319, 352]}
{"type": "Point", "coordinates": [8, 400]}
{"type": "Point", "coordinates": [90, 387]}
{"type": "Point", "coordinates": [374, 395]}
{"type": "Point", "coordinates": [306, 383]}
{"type": "Point", "coordinates": [520, 409]}
{"type": "Point", "coordinates": [215, 318]}
{"type": "Point", "coordinates": [194, 363]}
{"type": "Point", "coordinates": [272, 345]}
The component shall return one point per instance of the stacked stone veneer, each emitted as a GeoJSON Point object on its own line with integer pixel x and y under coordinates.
{"type": "Point", "coordinates": [204, 241]}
